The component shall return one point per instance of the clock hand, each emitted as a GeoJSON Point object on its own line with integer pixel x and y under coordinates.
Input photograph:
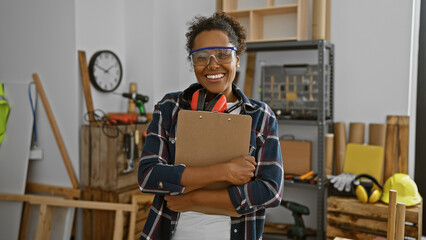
{"type": "Point", "coordinates": [103, 69]}
{"type": "Point", "coordinates": [107, 71]}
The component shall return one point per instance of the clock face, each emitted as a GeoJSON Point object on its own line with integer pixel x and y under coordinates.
{"type": "Point", "coordinates": [105, 71]}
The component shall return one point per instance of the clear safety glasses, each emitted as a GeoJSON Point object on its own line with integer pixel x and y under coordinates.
{"type": "Point", "coordinates": [222, 55]}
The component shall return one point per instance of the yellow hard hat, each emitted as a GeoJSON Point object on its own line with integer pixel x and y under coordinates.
{"type": "Point", "coordinates": [405, 187]}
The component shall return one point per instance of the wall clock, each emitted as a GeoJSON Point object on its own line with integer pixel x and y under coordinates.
{"type": "Point", "coordinates": [105, 71]}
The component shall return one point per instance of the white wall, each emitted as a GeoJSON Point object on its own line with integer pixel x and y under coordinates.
{"type": "Point", "coordinates": [155, 45]}
{"type": "Point", "coordinates": [39, 37]}
{"type": "Point", "coordinates": [100, 25]}
{"type": "Point", "coordinates": [376, 46]}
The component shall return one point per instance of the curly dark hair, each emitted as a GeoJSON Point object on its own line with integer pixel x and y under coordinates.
{"type": "Point", "coordinates": [218, 21]}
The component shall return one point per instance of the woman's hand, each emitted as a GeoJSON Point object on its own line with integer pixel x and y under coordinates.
{"type": "Point", "coordinates": [240, 170]}
{"type": "Point", "coordinates": [179, 203]}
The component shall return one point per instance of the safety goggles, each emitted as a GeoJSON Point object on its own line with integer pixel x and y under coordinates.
{"type": "Point", "coordinates": [222, 55]}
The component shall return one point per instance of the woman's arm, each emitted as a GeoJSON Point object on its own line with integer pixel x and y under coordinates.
{"type": "Point", "coordinates": [238, 171]}
{"type": "Point", "coordinates": [266, 190]}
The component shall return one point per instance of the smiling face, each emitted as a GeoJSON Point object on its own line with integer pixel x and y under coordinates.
{"type": "Point", "coordinates": [214, 77]}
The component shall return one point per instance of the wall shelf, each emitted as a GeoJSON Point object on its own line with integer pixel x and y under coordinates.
{"type": "Point", "coordinates": [288, 22]}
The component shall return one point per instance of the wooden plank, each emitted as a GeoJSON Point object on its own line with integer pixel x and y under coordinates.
{"type": "Point", "coordinates": [87, 215]}
{"type": "Point", "coordinates": [400, 221]}
{"type": "Point", "coordinates": [118, 225]}
{"type": "Point", "coordinates": [60, 202]}
{"type": "Point", "coordinates": [96, 148]}
{"type": "Point", "coordinates": [351, 221]}
{"type": "Point", "coordinates": [24, 223]}
{"type": "Point", "coordinates": [328, 20]}
{"type": "Point", "coordinates": [248, 81]}
{"type": "Point", "coordinates": [356, 221]}
{"type": "Point", "coordinates": [107, 162]}
{"type": "Point", "coordinates": [44, 222]}
{"type": "Point", "coordinates": [319, 11]}
{"type": "Point", "coordinates": [85, 80]}
{"type": "Point", "coordinates": [69, 193]}
{"type": "Point", "coordinates": [403, 139]}
{"type": "Point", "coordinates": [229, 5]}
{"type": "Point", "coordinates": [390, 148]}
{"type": "Point", "coordinates": [302, 20]}
{"type": "Point", "coordinates": [219, 6]}
{"type": "Point", "coordinates": [256, 26]}
{"type": "Point", "coordinates": [375, 210]}
{"type": "Point", "coordinates": [85, 156]}
{"type": "Point", "coordinates": [391, 215]}
{"type": "Point", "coordinates": [65, 157]}
{"type": "Point", "coordinates": [132, 220]}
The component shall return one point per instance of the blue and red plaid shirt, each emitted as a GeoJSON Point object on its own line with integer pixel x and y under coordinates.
{"type": "Point", "coordinates": [158, 174]}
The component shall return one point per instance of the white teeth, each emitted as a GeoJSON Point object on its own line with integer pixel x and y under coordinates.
{"type": "Point", "coordinates": [215, 76]}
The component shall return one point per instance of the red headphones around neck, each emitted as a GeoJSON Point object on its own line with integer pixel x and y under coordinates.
{"type": "Point", "coordinates": [217, 103]}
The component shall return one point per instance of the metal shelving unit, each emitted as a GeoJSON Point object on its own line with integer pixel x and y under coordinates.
{"type": "Point", "coordinates": [324, 49]}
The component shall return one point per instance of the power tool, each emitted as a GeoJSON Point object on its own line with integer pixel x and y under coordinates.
{"type": "Point", "coordinates": [299, 230]}
{"type": "Point", "coordinates": [139, 100]}
{"type": "Point", "coordinates": [124, 118]}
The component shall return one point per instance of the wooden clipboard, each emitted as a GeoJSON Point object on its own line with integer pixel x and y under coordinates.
{"type": "Point", "coordinates": [205, 138]}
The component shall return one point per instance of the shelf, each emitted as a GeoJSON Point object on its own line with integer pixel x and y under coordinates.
{"type": "Point", "coordinates": [292, 183]}
{"type": "Point", "coordinates": [302, 122]}
{"type": "Point", "coordinates": [287, 46]}
{"type": "Point", "coordinates": [275, 10]}
{"type": "Point", "coordinates": [288, 22]}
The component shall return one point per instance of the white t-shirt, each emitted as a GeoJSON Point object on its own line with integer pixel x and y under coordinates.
{"type": "Point", "coordinates": [200, 226]}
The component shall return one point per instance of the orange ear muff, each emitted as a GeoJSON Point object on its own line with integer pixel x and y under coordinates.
{"type": "Point", "coordinates": [195, 99]}
{"type": "Point", "coordinates": [218, 103]}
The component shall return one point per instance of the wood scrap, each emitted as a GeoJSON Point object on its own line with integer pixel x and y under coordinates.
{"type": "Point", "coordinates": [85, 80]}
{"type": "Point", "coordinates": [65, 157]}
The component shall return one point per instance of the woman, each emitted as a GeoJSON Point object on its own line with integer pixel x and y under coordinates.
{"type": "Point", "coordinates": [215, 45]}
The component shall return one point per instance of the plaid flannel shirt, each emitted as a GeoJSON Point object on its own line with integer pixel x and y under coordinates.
{"type": "Point", "coordinates": [158, 174]}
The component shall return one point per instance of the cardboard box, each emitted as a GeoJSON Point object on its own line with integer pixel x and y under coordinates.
{"type": "Point", "coordinates": [296, 156]}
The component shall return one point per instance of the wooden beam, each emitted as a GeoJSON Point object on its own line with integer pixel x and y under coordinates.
{"type": "Point", "coordinates": [69, 193]}
{"type": "Point", "coordinates": [44, 222]}
{"type": "Point", "coordinates": [60, 202]}
{"type": "Point", "coordinates": [85, 80]}
{"type": "Point", "coordinates": [118, 225]}
{"type": "Point", "coordinates": [400, 221]}
{"type": "Point", "coordinates": [403, 138]}
{"type": "Point", "coordinates": [391, 145]}
{"type": "Point", "coordinates": [391, 215]}
{"type": "Point", "coordinates": [56, 133]}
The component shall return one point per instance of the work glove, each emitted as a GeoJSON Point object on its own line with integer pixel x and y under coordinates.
{"type": "Point", "coordinates": [343, 181]}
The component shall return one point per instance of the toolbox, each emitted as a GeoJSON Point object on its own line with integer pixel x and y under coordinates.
{"type": "Point", "coordinates": [293, 91]}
